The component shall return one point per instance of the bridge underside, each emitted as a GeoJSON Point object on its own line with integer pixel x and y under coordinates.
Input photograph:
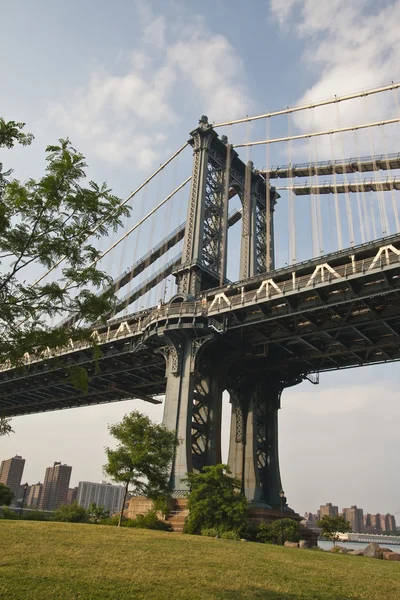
{"type": "Point", "coordinates": [299, 323]}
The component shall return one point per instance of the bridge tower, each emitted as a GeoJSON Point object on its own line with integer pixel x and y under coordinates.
{"type": "Point", "coordinates": [199, 367]}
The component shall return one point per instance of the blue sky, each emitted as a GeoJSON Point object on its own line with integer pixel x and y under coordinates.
{"type": "Point", "coordinates": [127, 81]}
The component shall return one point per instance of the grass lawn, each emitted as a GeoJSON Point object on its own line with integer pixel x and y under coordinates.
{"type": "Point", "coordinates": [49, 561]}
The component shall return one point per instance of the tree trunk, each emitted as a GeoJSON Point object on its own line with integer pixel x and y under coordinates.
{"type": "Point", "coordinates": [121, 514]}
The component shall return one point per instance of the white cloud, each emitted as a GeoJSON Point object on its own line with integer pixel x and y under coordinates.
{"type": "Point", "coordinates": [349, 46]}
{"type": "Point", "coordinates": [127, 117]}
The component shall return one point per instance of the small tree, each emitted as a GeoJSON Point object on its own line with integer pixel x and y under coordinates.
{"type": "Point", "coordinates": [215, 501]}
{"type": "Point", "coordinates": [332, 526]}
{"type": "Point", "coordinates": [97, 513]}
{"type": "Point", "coordinates": [6, 495]}
{"type": "Point", "coordinates": [71, 513]}
{"type": "Point", "coordinates": [142, 458]}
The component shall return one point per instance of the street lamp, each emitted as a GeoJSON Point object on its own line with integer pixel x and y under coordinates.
{"type": "Point", "coordinates": [23, 500]}
{"type": "Point", "coordinates": [282, 497]}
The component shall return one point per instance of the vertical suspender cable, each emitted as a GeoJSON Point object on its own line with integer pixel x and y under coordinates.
{"type": "Point", "coordinates": [224, 217]}
{"type": "Point", "coordinates": [381, 200]}
{"type": "Point", "coordinates": [268, 240]}
{"type": "Point", "coordinates": [359, 193]}
{"type": "Point", "coordinates": [291, 206]}
{"type": "Point", "coordinates": [337, 207]}
{"type": "Point", "coordinates": [364, 204]}
{"type": "Point", "coordinates": [392, 192]}
{"type": "Point", "coordinates": [348, 203]}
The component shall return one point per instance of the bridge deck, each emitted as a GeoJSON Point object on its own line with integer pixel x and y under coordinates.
{"type": "Point", "coordinates": [335, 312]}
{"type": "Point", "coordinates": [363, 164]}
{"type": "Point", "coordinates": [342, 187]}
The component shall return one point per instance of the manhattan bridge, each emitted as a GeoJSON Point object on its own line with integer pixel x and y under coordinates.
{"type": "Point", "coordinates": [185, 331]}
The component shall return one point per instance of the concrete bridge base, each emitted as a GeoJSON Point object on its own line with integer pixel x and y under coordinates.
{"type": "Point", "coordinates": [178, 513]}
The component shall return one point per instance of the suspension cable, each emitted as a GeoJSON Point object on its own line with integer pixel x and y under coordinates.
{"type": "Point", "coordinates": [392, 86]}
{"type": "Point", "coordinates": [317, 133]}
{"type": "Point", "coordinates": [149, 214]}
{"type": "Point", "coordinates": [160, 168]}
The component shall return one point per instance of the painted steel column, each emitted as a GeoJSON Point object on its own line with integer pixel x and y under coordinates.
{"type": "Point", "coordinates": [248, 250]}
{"type": "Point", "coordinates": [178, 408]}
{"type": "Point", "coordinates": [193, 406]}
{"type": "Point", "coordinates": [190, 279]}
{"type": "Point", "coordinates": [253, 450]}
{"type": "Point", "coordinates": [225, 216]}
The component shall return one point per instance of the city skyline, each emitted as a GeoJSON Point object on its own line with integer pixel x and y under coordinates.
{"type": "Point", "coordinates": [360, 522]}
{"type": "Point", "coordinates": [88, 488]}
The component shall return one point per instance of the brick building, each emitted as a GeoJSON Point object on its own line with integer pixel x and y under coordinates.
{"type": "Point", "coordinates": [34, 495]}
{"type": "Point", "coordinates": [355, 516]}
{"type": "Point", "coordinates": [328, 510]}
{"type": "Point", "coordinates": [11, 474]}
{"type": "Point", "coordinates": [55, 486]}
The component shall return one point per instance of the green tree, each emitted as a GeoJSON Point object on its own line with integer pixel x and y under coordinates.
{"type": "Point", "coordinates": [271, 533]}
{"type": "Point", "coordinates": [214, 501]}
{"type": "Point", "coordinates": [332, 526]}
{"type": "Point", "coordinates": [6, 495]}
{"type": "Point", "coordinates": [71, 513]}
{"type": "Point", "coordinates": [5, 427]}
{"type": "Point", "coordinates": [142, 458]}
{"type": "Point", "coordinates": [46, 222]}
{"type": "Point", "coordinates": [97, 513]}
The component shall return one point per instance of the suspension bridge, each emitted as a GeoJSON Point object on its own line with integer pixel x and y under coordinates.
{"type": "Point", "coordinates": [300, 276]}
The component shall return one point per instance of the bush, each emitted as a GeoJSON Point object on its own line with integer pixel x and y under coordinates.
{"type": "Point", "coordinates": [71, 513]}
{"type": "Point", "coordinates": [113, 521]}
{"type": "Point", "coordinates": [7, 513]}
{"type": "Point", "coordinates": [35, 515]}
{"type": "Point", "coordinates": [230, 535]}
{"type": "Point", "coordinates": [150, 521]}
{"type": "Point", "coordinates": [147, 521]}
{"type": "Point", "coordinates": [249, 532]}
{"type": "Point", "coordinates": [211, 532]}
{"type": "Point", "coordinates": [215, 501]}
{"type": "Point", "coordinates": [271, 533]}
{"type": "Point", "coordinates": [263, 534]}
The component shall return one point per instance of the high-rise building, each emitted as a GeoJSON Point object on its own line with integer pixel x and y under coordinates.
{"type": "Point", "coordinates": [387, 522]}
{"type": "Point", "coordinates": [72, 495]}
{"type": "Point", "coordinates": [34, 494]}
{"type": "Point", "coordinates": [55, 486]}
{"type": "Point", "coordinates": [355, 516]}
{"type": "Point", "coordinates": [376, 523]}
{"type": "Point", "coordinates": [11, 474]}
{"type": "Point", "coordinates": [103, 494]}
{"type": "Point", "coordinates": [328, 510]}
{"type": "Point", "coordinates": [391, 523]}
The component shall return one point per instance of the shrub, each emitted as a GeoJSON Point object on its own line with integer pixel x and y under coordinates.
{"type": "Point", "coordinates": [230, 535]}
{"type": "Point", "coordinates": [263, 534]}
{"type": "Point", "coordinates": [215, 501]}
{"type": "Point", "coordinates": [35, 515]}
{"type": "Point", "coordinates": [150, 521]}
{"type": "Point", "coordinates": [7, 513]}
{"type": "Point", "coordinates": [71, 513]}
{"type": "Point", "coordinates": [211, 532]}
{"type": "Point", "coordinates": [271, 533]}
{"type": "Point", "coordinates": [113, 521]}
{"type": "Point", "coordinates": [147, 521]}
{"type": "Point", "coordinates": [249, 532]}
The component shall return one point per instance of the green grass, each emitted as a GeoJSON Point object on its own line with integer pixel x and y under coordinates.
{"type": "Point", "coordinates": [43, 561]}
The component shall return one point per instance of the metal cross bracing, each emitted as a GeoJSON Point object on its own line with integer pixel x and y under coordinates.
{"type": "Point", "coordinates": [254, 337]}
